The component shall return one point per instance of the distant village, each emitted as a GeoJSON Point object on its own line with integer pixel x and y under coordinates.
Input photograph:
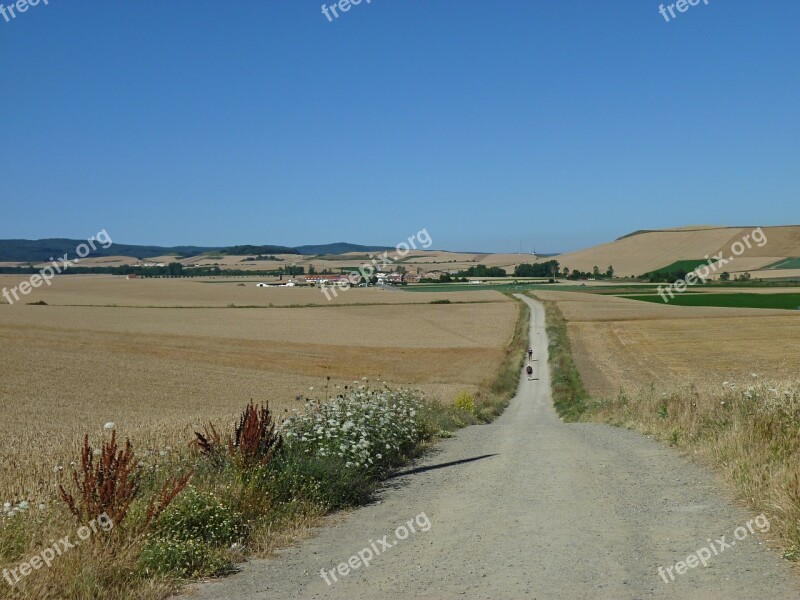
{"type": "Point", "coordinates": [334, 278]}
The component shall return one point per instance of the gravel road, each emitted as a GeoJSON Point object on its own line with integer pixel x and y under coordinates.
{"type": "Point", "coordinates": [530, 507]}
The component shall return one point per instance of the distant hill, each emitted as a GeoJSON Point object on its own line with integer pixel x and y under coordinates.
{"type": "Point", "coordinates": [339, 248]}
{"type": "Point", "coordinates": [248, 250]}
{"type": "Point", "coordinates": [651, 250]}
{"type": "Point", "coordinates": [38, 251]}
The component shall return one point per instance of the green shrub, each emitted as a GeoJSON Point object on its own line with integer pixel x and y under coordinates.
{"type": "Point", "coordinates": [466, 402]}
{"type": "Point", "coordinates": [191, 537]}
{"type": "Point", "coordinates": [322, 480]}
{"type": "Point", "coordinates": [200, 516]}
{"type": "Point", "coordinates": [182, 557]}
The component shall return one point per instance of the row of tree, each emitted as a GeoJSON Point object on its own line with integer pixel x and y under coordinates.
{"type": "Point", "coordinates": [482, 271]}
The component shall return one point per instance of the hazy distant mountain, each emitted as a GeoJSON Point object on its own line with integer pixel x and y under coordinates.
{"type": "Point", "coordinates": [41, 250]}
{"type": "Point", "coordinates": [339, 248]}
{"type": "Point", "coordinates": [37, 251]}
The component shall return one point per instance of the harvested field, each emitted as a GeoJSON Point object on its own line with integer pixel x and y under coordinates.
{"type": "Point", "coordinates": [619, 342]}
{"type": "Point", "coordinates": [157, 372]}
{"type": "Point", "coordinates": [105, 290]}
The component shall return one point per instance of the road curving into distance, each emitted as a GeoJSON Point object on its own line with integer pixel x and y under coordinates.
{"type": "Point", "coordinates": [530, 507]}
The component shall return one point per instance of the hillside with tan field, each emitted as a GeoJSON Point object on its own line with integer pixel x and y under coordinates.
{"type": "Point", "coordinates": [645, 251]}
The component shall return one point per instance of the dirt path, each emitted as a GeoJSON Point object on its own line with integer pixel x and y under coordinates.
{"type": "Point", "coordinates": [529, 507]}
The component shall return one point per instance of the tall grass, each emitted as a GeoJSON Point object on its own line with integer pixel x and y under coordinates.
{"type": "Point", "coordinates": [569, 396]}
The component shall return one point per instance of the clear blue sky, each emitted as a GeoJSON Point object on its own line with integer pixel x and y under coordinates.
{"type": "Point", "coordinates": [559, 123]}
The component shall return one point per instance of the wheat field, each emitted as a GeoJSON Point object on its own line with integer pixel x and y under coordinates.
{"type": "Point", "coordinates": [160, 372]}
{"type": "Point", "coordinates": [110, 290]}
{"type": "Point", "coordinates": [618, 343]}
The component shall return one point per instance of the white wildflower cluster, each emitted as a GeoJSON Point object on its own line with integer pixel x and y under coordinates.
{"type": "Point", "coordinates": [9, 510]}
{"type": "Point", "coordinates": [782, 400]}
{"type": "Point", "coordinates": [366, 428]}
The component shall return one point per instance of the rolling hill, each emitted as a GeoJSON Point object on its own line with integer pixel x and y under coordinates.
{"type": "Point", "coordinates": [631, 255]}
{"type": "Point", "coordinates": [649, 250]}
{"type": "Point", "coordinates": [39, 251]}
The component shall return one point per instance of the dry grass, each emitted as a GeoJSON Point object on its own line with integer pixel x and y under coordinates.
{"type": "Point", "coordinates": [618, 342]}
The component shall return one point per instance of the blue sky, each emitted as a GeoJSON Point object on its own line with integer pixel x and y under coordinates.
{"type": "Point", "coordinates": [558, 124]}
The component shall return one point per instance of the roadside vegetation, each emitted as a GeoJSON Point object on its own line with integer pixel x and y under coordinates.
{"type": "Point", "coordinates": [747, 430]}
{"type": "Point", "coordinates": [236, 490]}
{"type": "Point", "coordinates": [569, 396]}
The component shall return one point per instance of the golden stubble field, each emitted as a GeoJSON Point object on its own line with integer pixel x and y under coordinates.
{"type": "Point", "coordinates": [110, 290]}
{"type": "Point", "coordinates": [620, 343]}
{"type": "Point", "coordinates": [159, 372]}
